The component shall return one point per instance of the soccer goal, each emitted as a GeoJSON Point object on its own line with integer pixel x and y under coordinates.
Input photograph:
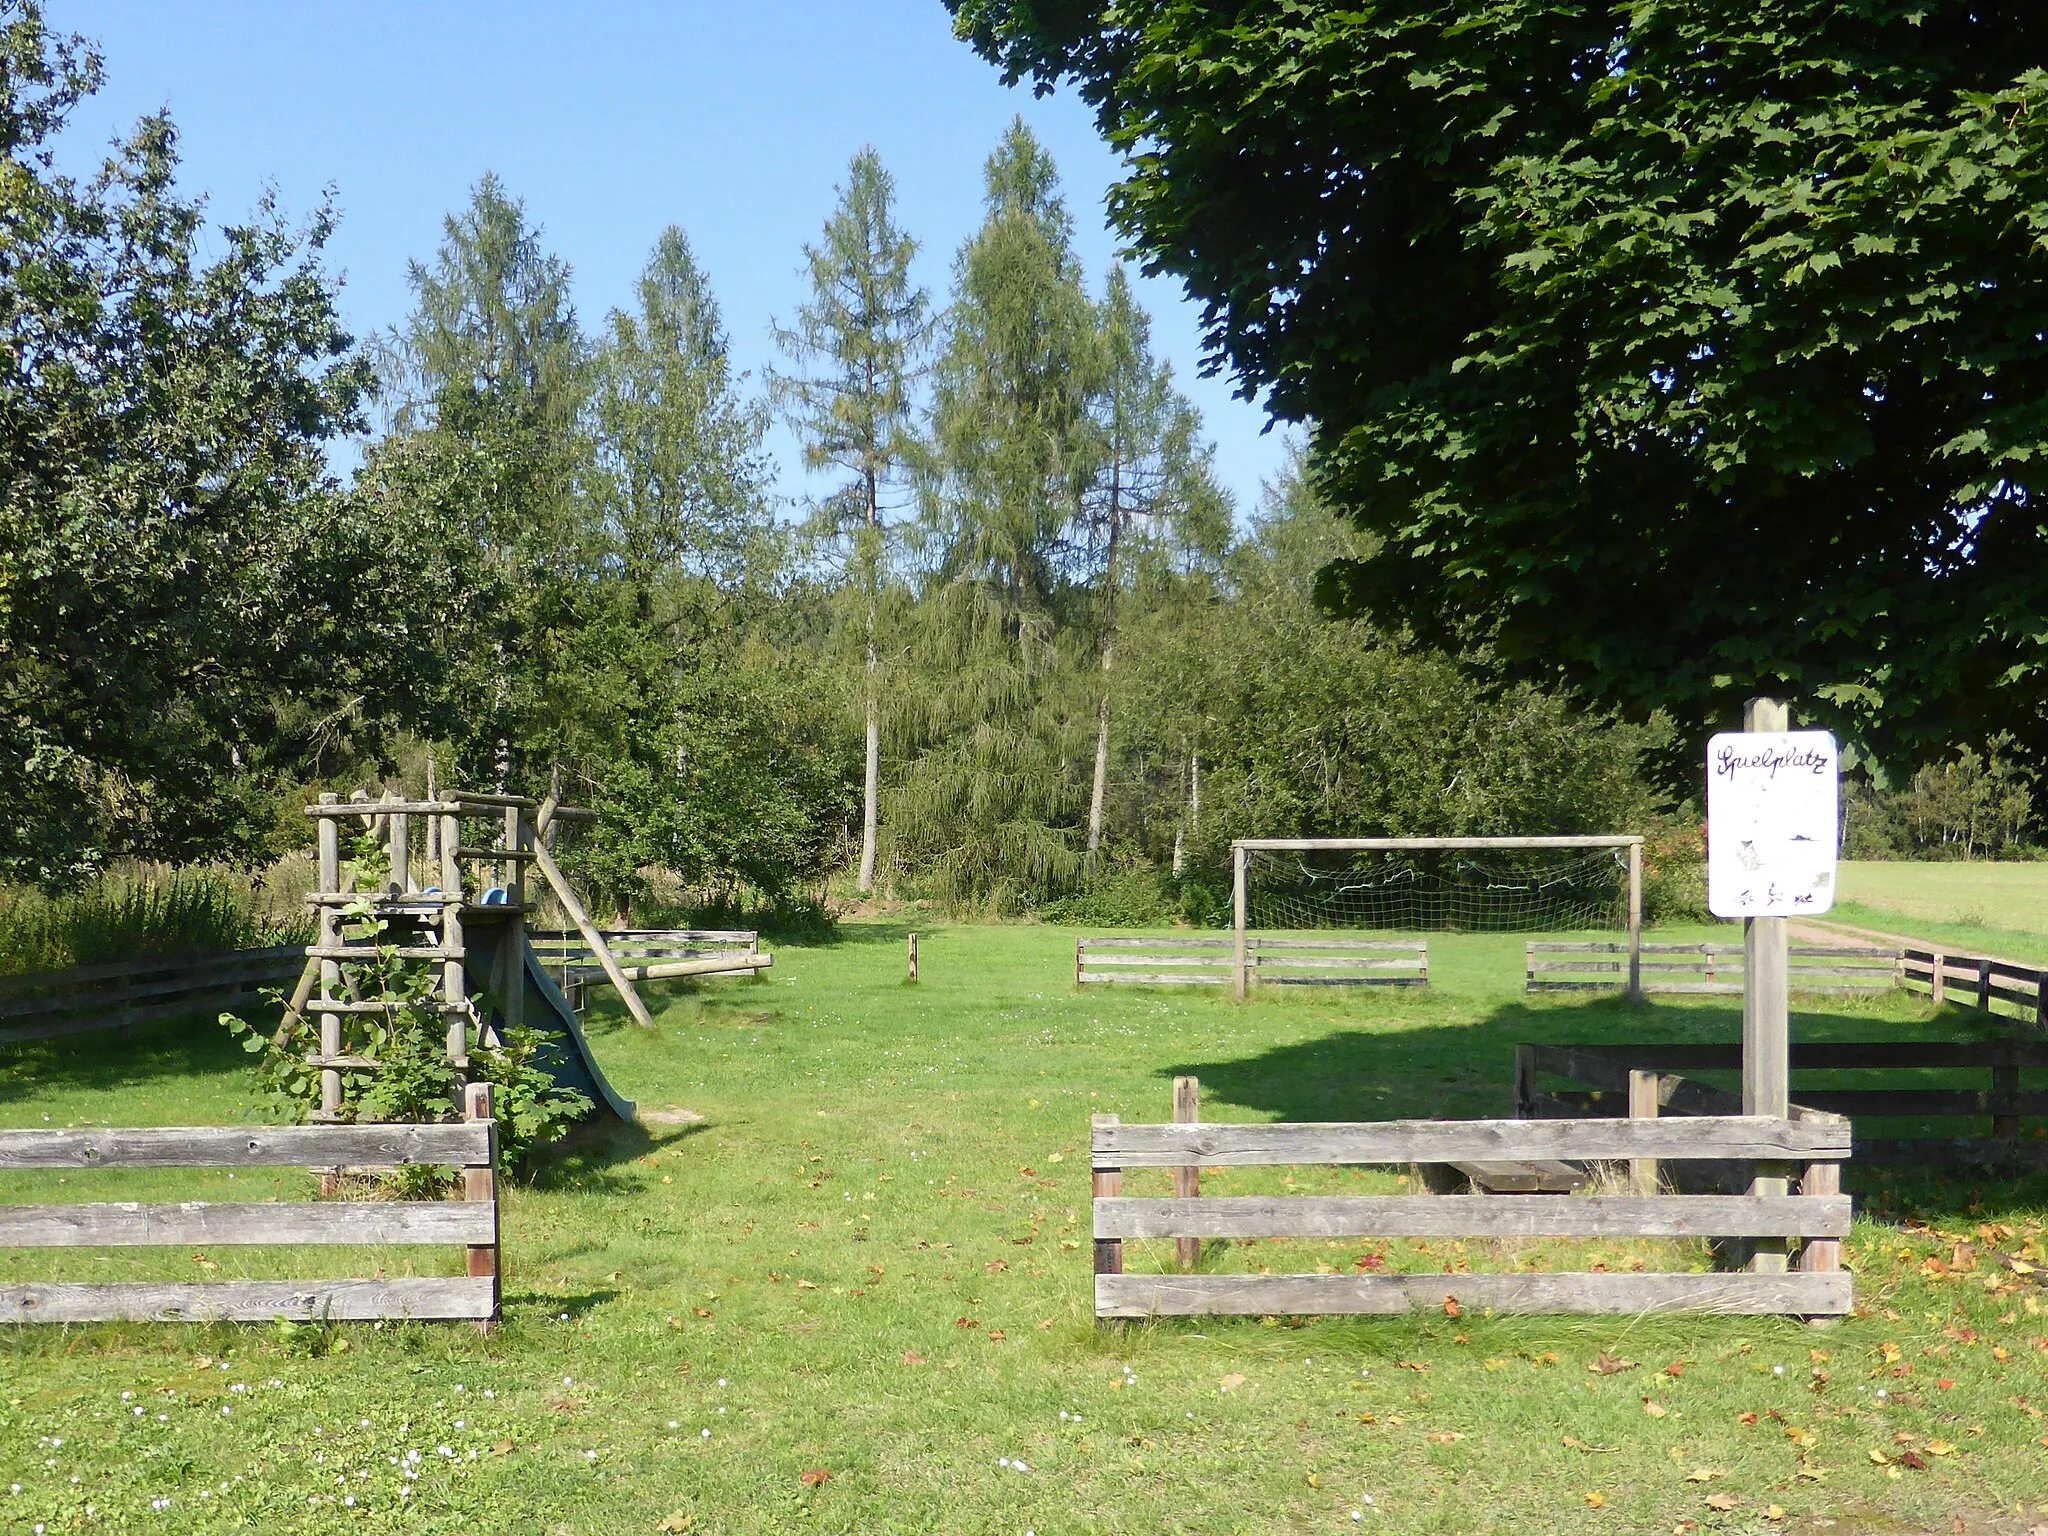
{"type": "Point", "coordinates": [1440, 885]}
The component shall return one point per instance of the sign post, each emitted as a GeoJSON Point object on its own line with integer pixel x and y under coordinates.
{"type": "Point", "coordinates": [1772, 802]}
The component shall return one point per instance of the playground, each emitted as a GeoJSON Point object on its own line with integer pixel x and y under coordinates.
{"type": "Point", "coordinates": [836, 1276]}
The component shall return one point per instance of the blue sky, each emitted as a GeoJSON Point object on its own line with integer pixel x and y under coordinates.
{"type": "Point", "coordinates": [612, 120]}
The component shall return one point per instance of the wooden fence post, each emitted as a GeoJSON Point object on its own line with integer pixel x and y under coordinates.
{"type": "Point", "coordinates": [1237, 921]}
{"type": "Point", "coordinates": [2041, 999]}
{"type": "Point", "coordinates": [1937, 983]}
{"type": "Point", "coordinates": [2005, 1094]}
{"type": "Point", "coordinates": [913, 957]}
{"type": "Point", "coordinates": [1108, 1184]}
{"type": "Point", "coordinates": [1766, 1026]}
{"type": "Point", "coordinates": [1187, 1182]}
{"type": "Point", "coordinates": [1983, 984]}
{"type": "Point", "coordinates": [480, 1183]}
{"type": "Point", "coordinates": [1635, 922]}
{"type": "Point", "coordinates": [454, 983]}
{"type": "Point", "coordinates": [1643, 1088]}
{"type": "Point", "coordinates": [1821, 1255]}
{"type": "Point", "coordinates": [1525, 1081]}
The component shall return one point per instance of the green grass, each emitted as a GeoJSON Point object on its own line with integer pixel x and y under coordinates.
{"type": "Point", "coordinates": [1983, 908]}
{"type": "Point", "coordinates": [871, 1258]}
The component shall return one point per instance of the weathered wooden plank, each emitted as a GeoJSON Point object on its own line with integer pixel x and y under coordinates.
{"type": "Point", "coordinates": [1160, 979]}
{"type": "Point", "coordinates": [1807, 1295]}
{"type": "Point", "coordinates": [1329, 962]}
{"type": "Point", "coordinates": [1813, 1055]}
{"type": "Point", "coordinates": [1154, 942]}
{"type": "Point", "coordinates": [251, 1301]}
{"type": "Point", "coordinates": [1918, 1102]}
{"type": "Point", "coordinates": [1362, 946]}
{"type": "Point", "coordinates": [280, 1146]}
{"type": "Point", "coordinates": [1533, 1176]}
{"type": "Point", "coordinates": [1450, 1141]}
{"type": "Point", "coordinates": [1474, 1216]}
{"type": "Point", "coordinates": [81, 975]}
{"type": "Point", "coordinates": [333, 1222]}
{"type": "Point", "coordinates": [1398, 844]}
{"type": "Point", "coordinates": [1341, 981]}
{"type": "Point", "coordinates": [1107, 961]}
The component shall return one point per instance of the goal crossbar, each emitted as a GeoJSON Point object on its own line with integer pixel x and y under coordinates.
{"type": "Point", "coordinates": [1242, 848]}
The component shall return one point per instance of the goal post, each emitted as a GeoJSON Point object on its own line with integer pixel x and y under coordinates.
{"type": "Point", "coordinates": [1622, 866]}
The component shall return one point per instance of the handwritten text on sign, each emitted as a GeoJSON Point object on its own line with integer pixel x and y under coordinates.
{"type": "Point", "coordinates": [1771, 820]}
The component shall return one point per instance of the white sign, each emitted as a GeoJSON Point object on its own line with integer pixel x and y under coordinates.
{"type": "Point", "coordinates": [1771, 823]}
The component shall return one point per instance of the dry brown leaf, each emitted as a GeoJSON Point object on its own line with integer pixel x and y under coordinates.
{"type": "Point", "coordinates": [1574, 1443]}
{"type": "Point", "coordinates": [1595, 1500]}
{"type": "Point", "coordinates": [997, 1267]}
{"type": "Point", "coordinates": [815, 1476]}
{"type": "Point", "coordinates": [1653, 1408]}
{"type": "Point", "coordinates": [1444, 1437]}
{"type": "Point", "coordinates": [806, 1285]}
{"type": "Point", "coordinates": [1702, 1474]}
{"type": "Point", "coordinates": [502, 1448]}
{"type": "Point", "coordinates": [1231, 1382]}
{"type": "Point", "coordinates": [997, 1334]}
{"type": "Point", "coordinates": [912, 1357]}
{"type": "Point", "coordinates": [1722, 1501]}
{"type": "Point", "coordinates": [1451, 1307]}
{"type": "Point", "coordinates": [1605, 1364]}
{"type": "Point", "coordinates": [1774, 1511]}
{"type": "Point", "coordinates": [675, 1524]}
{"type": "Point", "coordinates": [1313, 1481]}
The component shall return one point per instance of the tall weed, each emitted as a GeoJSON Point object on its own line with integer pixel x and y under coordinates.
{"type": "Point", "coordinates": [145, 913]}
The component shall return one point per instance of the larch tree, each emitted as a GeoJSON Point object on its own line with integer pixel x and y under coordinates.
{"type": "Point", "coordinates": [858, 348]}
{"type": "Point", "coordinates": [1153, 500]}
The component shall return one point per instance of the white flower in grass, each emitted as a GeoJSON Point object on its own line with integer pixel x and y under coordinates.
{"type": "Point", "coordinates": [706, 1433]}
{"type": "Point", "coordinates": [348, 1501]}
{"type": "Point", "coordinates": [489, 1393]}
{"type": "Point", "coordinates": [126, 1396]}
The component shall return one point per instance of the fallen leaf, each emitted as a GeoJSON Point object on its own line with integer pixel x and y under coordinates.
{"type": "Point", "coordinates": [1702, 1474]}
{"type": "Point", "coordinates": [1605, 1364]}
{"type": "Point", "coordinates": [1675, 1369]}
{"type": "Point", "coordinates": [1573, 1443]}
{"type": "Point", "coordinates": [1745, 1418]}
{"type": "Point", "coordinates": [1774, 1511]}
{"type": "Point", "coordinates": [1412, 1365]}
{"type": "Point", "coordinates": [966, 1322]}
{"type": "Point", "coordinates": [1595, 1500]}
{"type": "Point", "coordinates": [1914, 1460]}
{"type": "Point", "coordinates": [1940, 1448]}
{"type": "Point", "coordinates": [1451, 1307]}
{"type": "Point", "coordinates": [815, 1476]}
{"type": "Point", "coordinates": [1889, 1352]}
{"type": "Point", "coordinates": [1722, 1501]}
{"type": "Point", "coordinates": [805, 1285]}
{"type": "Point", "coordinates": [1653, 1408]}
{"type": "Point", "coordinates": [1444, 1437]}
{"type": "Point", "coordinates": [1945, 1382]}
{"type": "Point", "coordinates": [1878, 1458]}
{"type": "Point", "coordinates": [674, 1524]}
{"type": "Point", "coordinates": [702, 1311]}
{"type": "Point", "coordinates": [1047, 1323]}
{"type": "Point", "coordinates": [912, 1357]}
{"type": "Point", "coordinates": [1231, 1382]}
{"type": "Point", "coordinates": [997, 1334]}
{"type": "Point", "coordinates": [997, 1267]}
{"type": "Point", "coordinates": [1313, 1482]}
{"type": "Point", "coordinates": [502, 1448]}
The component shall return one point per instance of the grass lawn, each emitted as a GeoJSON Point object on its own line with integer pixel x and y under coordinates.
{"type": "Point", "coordinates": [870, 1259]}
{"type": "Point", "coordinates": [1981, 908]}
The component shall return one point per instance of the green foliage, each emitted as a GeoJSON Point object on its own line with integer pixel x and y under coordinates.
{"type": "Point", "coordinates": [138, 917]}
{"type": "Point", "coordinates": [176, 616]}
{"type": "Point", "coordinates": [1969, 805]}
{"type": "Point", "coordinates": [1679, 351]}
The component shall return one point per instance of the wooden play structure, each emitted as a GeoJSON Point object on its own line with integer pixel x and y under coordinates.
{"type": "Point", "coordinates": [472, 1222]}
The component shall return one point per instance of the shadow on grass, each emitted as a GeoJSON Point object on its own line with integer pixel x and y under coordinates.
{"type": "Point", "coordinates": [1467, 1072]}
{"type": "Point", "coordinates": [123, 1058]}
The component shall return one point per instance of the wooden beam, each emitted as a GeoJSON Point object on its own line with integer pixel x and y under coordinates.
{"type": "Point", "coordinates": [1449, 1141]}
{"type": "Point", "coordinates": [1187, 1180]}
{"type": "Point", "coordinates": [196, 1223]}
{"type": "Point", "coordinates": [566, 894]}
{"type": "Point", "coordinates": [1322, 1216]}
{"type": "Point", "coordinates": [1398, 844]}
{"type": "Point", "coordinates": [251, 1301]}
{"type": "Point", "coordinates": [282, 1146]}
{"type": "Point", "coordinates": [1811, 1295]}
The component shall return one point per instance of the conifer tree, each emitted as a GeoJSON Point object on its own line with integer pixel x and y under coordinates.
{"type": "Point", "coordinates": [858, 345]}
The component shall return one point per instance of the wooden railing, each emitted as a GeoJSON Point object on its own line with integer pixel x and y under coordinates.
{"type": "Point", "coordinates": [1819, 1215]}
{"type": "Point", "coordinates": [1313, 962]}
{"type": "Point", "coordinates": [47, 1005]}
{"type": "Point", "coordinates": [1677, 968]}
{"type": "Point", "coordinates": [472, 1222]}
{"type": "Point", "coordinates": [1606, 1070]}
{"type": "Point", "coordinates": [1977, 981]}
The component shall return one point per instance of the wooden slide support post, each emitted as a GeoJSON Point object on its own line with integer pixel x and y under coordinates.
{"type": "Point", "coordinates": [454, 981]}
{"type": "Point", "coordinates": [566, 894]}
{"type": "Point", "coordinates": [480, 1186]}
{"type": "Point", "coordinates": [512, 1001]}
{"type": "Point", "coordinates": [1241, 972]}
{"type": "Point", "coordinates": [1187, 1181]}
{"type": "Point", "coordinates": [1643, 1104]}
{"type": "Point", "coordinates": [913, 957]}
{"type": "Point", "coordinates": [1107, 1184]}
{"type": "Point", "coordinates": [1766, 1020]}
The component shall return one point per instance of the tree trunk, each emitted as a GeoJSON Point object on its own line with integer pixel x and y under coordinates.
{"type": "Point", "coordinates": [870, 787]}
{"type": "Point", "coordinates": [1095, 800]}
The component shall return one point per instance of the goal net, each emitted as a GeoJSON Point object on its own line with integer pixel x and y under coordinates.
{"type": "Point", "coordinates": [1442, 889]}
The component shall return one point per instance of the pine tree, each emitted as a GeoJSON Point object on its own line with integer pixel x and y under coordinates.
{"type": "Point", "coordinates": [859, 341]}
{"type": "Point", "coordinates": [679, 474]}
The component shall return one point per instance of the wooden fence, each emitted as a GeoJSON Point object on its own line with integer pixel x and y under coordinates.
{"type": "Point", "coordinates": [1818, 1287]}
{"type": "Point", "coordinates": [473, 1222]}
{"type": "Point", "coordinates": [648, 954]}
{"type": "Point", "coordinates": [1606, 1070]}
{"type": "Point", "coordinates": [1296, 962]}
{"type": "Point", "coordinates": [1677, 968]}
{"type": "Point", "coordinates": [1977, 981]}
{"type": "Point", "coordinates": [47, 1005]}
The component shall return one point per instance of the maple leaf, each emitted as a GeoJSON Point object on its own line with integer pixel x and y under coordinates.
{"type": "Point", "coordinates": [1722, 1501]}
{"type": "Point", "coordinates": [1653, 1408]}
{"type": "Point", "coordinates": [1745, 1418]}
{"type": "Point", "coordinates": [997, 1334]}
{"type": "Point", "coordinates": [1945, 1382]}
{"type": "Point", "coordinates": [1451, 1307]}
{"type": "Point", "coordinates": [1940, 1448]}
{"type": "Point", "coordinates": [1595, 1500]}
{"type": "Point", "coordinates": [1702, 1474]}
{"type": "Point", "coordinates": [1675, 1369]}
{"type": "Point", "coordinates": [1774, 1511]}
{"type": "Point", "coordinates": [1914, 1460]}
{"type": "Point", "coordinates": [675, 1524]}
{"type": "Point", "coordinates": [815, 1476]}
{"type": "Point", "coordinates": [1605, 1364]}
{"type": "Point", "coordinates": [1312, 1479]}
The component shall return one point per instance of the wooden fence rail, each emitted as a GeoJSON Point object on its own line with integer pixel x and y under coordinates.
{"type": "Point", "coordinates": [1301, 961]}
{"type": "Point", "coordinates": [1677, 968]}
{"type": "Point", "coordinates": [648, 954]}
{"type": "Point", "coordinates": [471, 1222]}
{"type": "Point", "coordinates": [1819, 1215]}
{"type": "Point", "coordinates": [2004, 1101]}
{"type": "Point", "coordinates": [47, 1005]}
{"type": "Point", "coordinates": [1978, 981]}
